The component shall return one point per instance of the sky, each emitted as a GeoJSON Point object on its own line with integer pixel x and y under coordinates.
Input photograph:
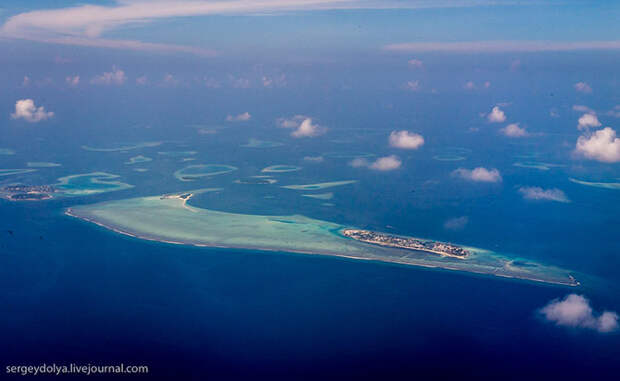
{"type": "Point", "coordinates": [313, 28]}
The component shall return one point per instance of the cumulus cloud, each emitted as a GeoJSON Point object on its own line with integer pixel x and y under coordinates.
{"type": "Point", "coordinates": [583, 87]}
{"type": "Point", "coordinates": [583, 108]}
{"type": "Point", "coordinates": [73, 80]}
{"type": "Point", "coordinates": [169, 81]}
{"type": "Point", "coordinates": [514, 131]}
{"type": "Point", "coordinates": [307, 129]}
{"type": "Point", "coordinates": [303, 126]}
{"type": "Point", "coordinates": [588, 120]}
{"type": "Point", "coordinates": [115, 77]}
{"type": "Point", "coordinates": [412, 85]}
{"type": "Point", "coordinates": [602, 145]}
{"type": "Point", "coordinates": [406, 140]}
{"type": "Point", "coordinates": [469, 85]}
{"type": "Point", "coordinates": [244, 117]}
{"type": "Point", "coordinates": [457, 223]}
{"type": "Point", "coordinates": [487, 84]}
{"type": "Point", "coordinates": [292, 122]}
{"type": "Point", "coordinates": [538, 193]}
{"type": "Point", "coordinates": [359, 162]}
{"type": "Point", "coordinates": [26, 109]}
{"type": "Point", "coordinates": [415, 63]}
{"type": "Point", "coordinates": [496, 115]}
{"type": "Point", "coordinates": [386, 163]}
{"type": "Point", "coordinates": [314, 159]}
{"type": "Point", "coordinates": [479, 174]}
{"type": "Point", "coordinates": [277, 81]}
{"type": "Point", "coordinates": [575, 311]}
{"type": "Point", "coordinates": [142, 80]}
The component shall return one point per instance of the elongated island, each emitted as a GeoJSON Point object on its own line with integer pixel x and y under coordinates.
{"type": "Point", "coordinates": [409, 243]}
{"type": "Point", "coordinates": [170, 218]}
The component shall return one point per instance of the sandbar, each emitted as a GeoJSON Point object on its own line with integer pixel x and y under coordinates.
{"type": "Point", "coordinates": [319, 185]}
{"type": "Point", "coordinates": [196, 171]}
{"type": "Point", "coordinates": [122, 147]}
{"type": "Point", "coordinates": [169, 218]}
{"type": "Point", "coordinates": [596, 184]}
{"type": "Point", "coordinates": [281, 168]}
{"type": "Point", "coordinates": [15, 171]}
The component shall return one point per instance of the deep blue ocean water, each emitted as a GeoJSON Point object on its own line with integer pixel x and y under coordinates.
{"type": "Point", "coordinates": [76, 292]}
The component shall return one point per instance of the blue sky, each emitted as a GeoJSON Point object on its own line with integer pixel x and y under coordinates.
{"type": "Point", "coordinates": [307, 27]}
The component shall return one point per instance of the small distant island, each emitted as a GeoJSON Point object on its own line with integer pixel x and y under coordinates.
{"type": "Point", "coordinates": [389, 240]}
{"type": "Point", "coordinates": [27, 192]}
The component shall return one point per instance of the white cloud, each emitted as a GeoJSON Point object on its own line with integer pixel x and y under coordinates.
{"type": "Point", "coordinates": [582, 108]}
{"type": "Point", "coordinates": [303, 126]}
{"type": "Point", "coordinates": [307, 129]}
{"type": "Point", "coordinates": [514, 131]}
{"type": "Point", "coordinates": [387, 163]}
{"type": "Point", "coordinates": [479, 174]}
{"type": "Point", "coordinates": [143, 80]}
{"type": "Point", "coordinates": [588, 120]}
{"type": "Point", "coordinates": [412, 85]}
{"type": "Point", "coordinates": [73, 80]}
{"type": "Point", "coordinates": [457, 223]}
{"type": "Point", "coordinates": [244, 117]}
{"type": "Point", "coordinates": [415, 63]}
{"type": "Point", "coordinates": [503, 46]}
{"type": "Point", "coordinates": [359, 162]}
{"type": "Point", "coordinates": [583, 87]}
{"type": "Point", "coordinates": [239, 82]}
{"type": "Point", "coordinates": [575, 311]}
{"type": "Point", "coordinates": [314, 159]}
{"type": "Point", "coordinates": [615, 112]}
{"type": "Point", "coordinates": [84, 24]}
{"type": "Point", "coordinates": [406, 140]}
{"type": "Point", "coordinates": [537, 193]}
{"type": "Point", "coordinates": [496, 115]}
{"type": "Point", "coordinates": [115, 77]}
{"type": "Point", "coordinates": [293, 122]}
{"type": "Point", "coordinates": [169, 81]}
{"type": "Point", "coordinates": [602, 145]}
{"type": "Point", "coordinates": [487, 84]}
{"type": "Point", "coordinates": [277, 81]}
{"type": "Point", "coordinates": [470, 85]}
{"type": "Point", "coordinates": [26, 109]}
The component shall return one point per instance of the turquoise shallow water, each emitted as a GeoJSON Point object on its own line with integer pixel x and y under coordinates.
{"type": "Point", "coordinates": [78, 291]}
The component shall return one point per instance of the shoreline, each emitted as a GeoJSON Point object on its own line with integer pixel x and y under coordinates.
{"type": "Point", "coordinates": [571, 282]}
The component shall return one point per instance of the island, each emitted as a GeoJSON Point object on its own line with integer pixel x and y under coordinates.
{"type": "Point", "coordinates": [389, 240]}
{"type": "Point", "coordinates": [170, 218]}
{"type": "Point", "coordinates": [83, 184]}
{"type": "Point", "coordinates": [19, 192]}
